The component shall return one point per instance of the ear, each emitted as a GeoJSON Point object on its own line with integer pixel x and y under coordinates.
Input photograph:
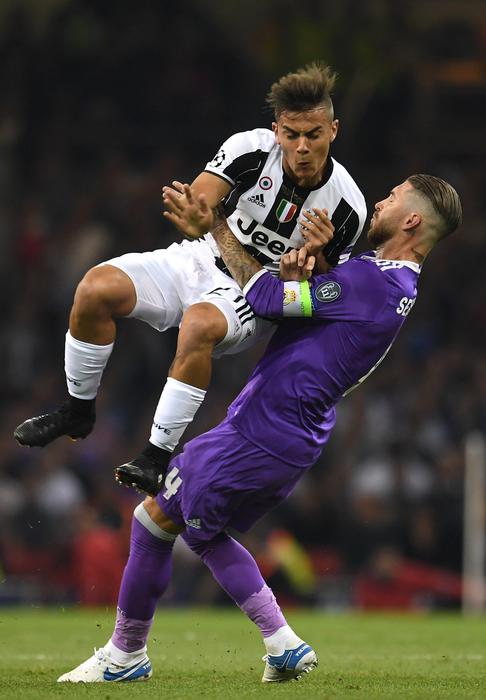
{"type": "Point", "coordinates": [334, 129]}
{"type": "Point", "coordinates": [275, 131]}
{"type": "Point", "coordinates": [412, 222]}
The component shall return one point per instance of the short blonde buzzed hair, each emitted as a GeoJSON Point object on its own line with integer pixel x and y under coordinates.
{"type": "Point", "coordinates": [308, 88]}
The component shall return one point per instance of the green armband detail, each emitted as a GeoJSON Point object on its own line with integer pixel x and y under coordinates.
{"type": "Point", "coordinates": [305, 299]}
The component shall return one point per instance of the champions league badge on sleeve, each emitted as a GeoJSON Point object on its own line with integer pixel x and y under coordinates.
{"type": "Point", "coordinates": [219, 158]}
{"type": "Point", "coordinates": [328, 291]}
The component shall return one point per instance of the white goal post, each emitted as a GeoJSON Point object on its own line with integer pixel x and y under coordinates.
{"type": "Point", "coordinates": [474, 542]}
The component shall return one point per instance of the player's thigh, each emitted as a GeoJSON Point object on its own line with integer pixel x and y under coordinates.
{"type": "Point", "coordinates": [243, 327]}
{"type": "Point", "coordinates": [107, 289]}
{"type": "Point", "coordinates": [157, 515]}
{"type": "Point", "coordinates": [222, 480]}
{"type": "Point", "coordinates": [165, 282]}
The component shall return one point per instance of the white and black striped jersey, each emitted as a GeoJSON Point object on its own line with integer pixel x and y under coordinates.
{"type": "Point", "coordinates": [264, 205]}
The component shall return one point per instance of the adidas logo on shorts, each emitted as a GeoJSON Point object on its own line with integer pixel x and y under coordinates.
{"type": "Point", "coordinates": [257, 199]}
{"type": "Point", "coordinates": [194, 522]}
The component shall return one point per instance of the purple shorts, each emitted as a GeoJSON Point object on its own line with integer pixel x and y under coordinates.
{"type": "Point", "coordinates": [223, 481]}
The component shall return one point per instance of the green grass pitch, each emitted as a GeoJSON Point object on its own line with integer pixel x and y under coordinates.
{"type": "Point", "coordinates": [216, 654]}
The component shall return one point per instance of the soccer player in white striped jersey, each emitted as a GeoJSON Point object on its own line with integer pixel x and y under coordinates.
{"type": "Point", "coordinates": [267, 178]}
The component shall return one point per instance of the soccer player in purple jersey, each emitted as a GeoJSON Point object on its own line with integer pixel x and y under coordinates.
{"type": "Point", "coordinates": [338, 328]}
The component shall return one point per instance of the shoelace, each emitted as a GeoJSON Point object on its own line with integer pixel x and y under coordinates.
{"type": "Point", "coordinates": [103, 657]}
{"type": "Point", "coordinates": [100, 654]}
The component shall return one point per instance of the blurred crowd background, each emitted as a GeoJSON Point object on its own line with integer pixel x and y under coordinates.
{"type": "Point", "coordinates": [102, 104]}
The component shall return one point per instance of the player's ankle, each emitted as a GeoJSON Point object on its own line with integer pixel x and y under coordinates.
{"type": "Point", "coordinates": [123, 657]}
{"type": "Point", "coordinates": [284, 638]}
{"type": "Point", "coordinates": [84, 407]}
{"type": "Point", "coordinates": [156, 453]}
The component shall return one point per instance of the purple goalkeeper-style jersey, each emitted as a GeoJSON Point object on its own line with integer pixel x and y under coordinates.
{"type": "Point", "coordinates": [345, 321]}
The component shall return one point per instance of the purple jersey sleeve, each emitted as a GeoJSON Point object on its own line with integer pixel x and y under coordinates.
{"type": "Point", "coordinates": [351, 292]}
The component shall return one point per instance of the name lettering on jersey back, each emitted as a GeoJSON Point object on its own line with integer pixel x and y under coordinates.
{"type": "Point", "coordinates": [405, 306]}
{"type": "Point", "coordinates": [388, 264]}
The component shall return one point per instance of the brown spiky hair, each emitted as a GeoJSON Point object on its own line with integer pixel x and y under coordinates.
{"type": "Point", "coordinates": [308, 88]}
{"type": "Point", "coordinates": [444, 200]}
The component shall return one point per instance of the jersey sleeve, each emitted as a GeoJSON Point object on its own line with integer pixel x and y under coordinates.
{"type": "Point", "coordinates": [239, 154]}
{"type": "Point", "coordinates": [349, 293]}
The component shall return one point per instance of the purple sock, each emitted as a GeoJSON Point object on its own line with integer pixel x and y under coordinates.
{"type": "Point", "coordinates": [263, 609]}
{"type": "Point", "coordinates": [237, 573]}
{"type": "Point", "coordinates": [145, 579]}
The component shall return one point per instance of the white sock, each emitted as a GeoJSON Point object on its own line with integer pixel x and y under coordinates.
{"type": "Point", "coordinates": [177, 407]}
{"type": "Point", "coordinates": [84, 364]}
{"type": "Point", "coordinates": [123, 657]}
{"type": "Point", "coordinates": [281, 640]}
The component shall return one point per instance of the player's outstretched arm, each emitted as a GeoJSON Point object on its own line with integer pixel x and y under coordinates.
{"type": "Point", "coordinates": [189, 213]}
{"type": "Point", "coordinates": [241, 264]}
{"type": "Point", "coordinates": [189, 207]}
{"type": "Point", "coordinates": [246, 271]}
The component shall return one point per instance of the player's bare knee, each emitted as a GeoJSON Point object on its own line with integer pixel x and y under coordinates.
{"type": "Point", "coordinates": [104, 291]}
{"type": "Point", "coordinates": [159, 518]}
{"type": "Point", "coordinates": [203, 326]}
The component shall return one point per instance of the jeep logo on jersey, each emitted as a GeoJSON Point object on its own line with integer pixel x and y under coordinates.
{"type": "Point", "coordinates": [219, 158]}
{"type": "Point", "coordinates": [328, 291]}
{"type": "Point", "coordinates": [285, 211]}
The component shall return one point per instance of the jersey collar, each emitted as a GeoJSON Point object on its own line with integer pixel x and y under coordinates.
{"type": "Point", "coordinates": [406, 263]}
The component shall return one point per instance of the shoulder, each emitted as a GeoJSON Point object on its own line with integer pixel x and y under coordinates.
{"type": "Point", "coordinates": [392, 269]}
{"type": "Point", "coordinates": [242, 152]}
{"type": "Point", "coordinates": [363, 288]}
{"type": "Point", "coordinates": [342, 181]}
{"type": "Point", "coordinates": [254, 140]}
{"type": "Point", "coordinates": [359, 277]}
{"type": "Point", "coordinates": [401, 275]}
{"type": "Point", "coordinates": [357, 274]}
{"type": "Point", "coordinates": [398, 277]}
{"type": "Point", "coordinates": [353, 291]}
{"type": "Point", "coordinates": [359, 270]}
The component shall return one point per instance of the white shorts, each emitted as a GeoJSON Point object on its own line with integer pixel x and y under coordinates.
{"type": "Point", "coordinates": [169, 280]}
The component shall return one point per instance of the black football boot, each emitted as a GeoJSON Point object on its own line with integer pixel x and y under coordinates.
{"type": "Point", "coordinates": [75, 418]}
{"type": "Point", "coordinates": [145, 473]}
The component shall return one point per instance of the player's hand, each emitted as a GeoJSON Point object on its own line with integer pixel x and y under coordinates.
{"type": "Point", "coordinates": [316, 229]}
{"type": "Point", "coordinates": [190, 214]}
{"type": "Point", "coordinates": [297, 265]}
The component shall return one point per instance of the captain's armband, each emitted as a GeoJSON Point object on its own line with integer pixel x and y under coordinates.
{"type": "Point", "coordinates": [297, 299]}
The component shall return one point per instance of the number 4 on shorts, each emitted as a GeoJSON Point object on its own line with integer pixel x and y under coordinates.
{"type": "Point", "coordinates": [172, 483]}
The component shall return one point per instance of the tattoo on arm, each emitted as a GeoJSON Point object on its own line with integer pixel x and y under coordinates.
{"type": "Point", "coordinates": [240, 263]}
